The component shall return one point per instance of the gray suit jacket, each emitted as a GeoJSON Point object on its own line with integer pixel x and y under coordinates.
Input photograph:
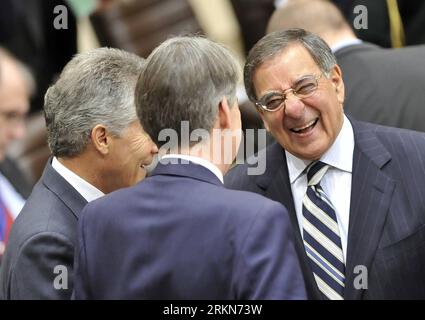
{"type": "Point", "coordinates": [384, 86]}
{"type": "Point", "coordinates": [43, 237]}
{"type": "Point", "coordinates": [387, 211]}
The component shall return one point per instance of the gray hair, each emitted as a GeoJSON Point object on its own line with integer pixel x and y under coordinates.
{"type": "Point", "coordinates": [184, 80]}
{"type": "Point", "coordinates": [94, 88]}
{"type": "Point", "coordinates": [273, 43]}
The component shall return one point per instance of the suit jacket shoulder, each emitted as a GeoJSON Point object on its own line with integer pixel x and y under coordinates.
{"type": "Point", "coordinates": [272, 157]}
{"type": "Point", "coordinates": [384, 86]}
{"type": "Point", "coordinates": [42, 240]}
{"type": "Point", "coordinates": [400, 147]}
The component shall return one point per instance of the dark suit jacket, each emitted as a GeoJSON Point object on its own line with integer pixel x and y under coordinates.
{"type": "Point", "coordinates": [14, 175]}
{"type": "Point", "coordinates": [180, 234]}
{"type": "Point", "coordinates": [42, 237]}
{"type": "Point", "coordinates": [384, 86]}
{"type": "Point", "coordinates": [27, 30]}
{"type": "Point", "coordinates": [387, 211]}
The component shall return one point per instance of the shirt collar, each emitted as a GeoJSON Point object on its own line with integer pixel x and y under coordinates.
{"type": "Point", "coordinates": [339, 155]}
{"type": "Point", "coordinates": [345, 43]}
{"type": "Point", "coordinates": [87, 190]}
{"type": "Point", "coordinates": [202, 162]}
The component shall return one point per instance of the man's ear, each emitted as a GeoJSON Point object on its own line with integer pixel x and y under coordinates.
{"type": "Point", "coordinates": [336, 77]}
{"type": "Point", "coordinates": [224, 116]}
{"type": "Point", "coordinates": [100, 139]}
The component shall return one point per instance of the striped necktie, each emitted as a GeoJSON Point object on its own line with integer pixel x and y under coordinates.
{"type": "Point", "coordinates": [322, 241]}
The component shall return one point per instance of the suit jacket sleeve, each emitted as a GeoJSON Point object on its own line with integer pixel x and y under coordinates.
{"type": "Point", "coordinates": [44, 268]}
{"type": "Point", "coordinates": [268, 266]}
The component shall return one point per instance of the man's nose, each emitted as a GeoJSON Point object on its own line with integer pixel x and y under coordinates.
{"type": "Point", "coordinates": [17, 130]}
{"type": "Point", "coordinates": [154, 148]}
{"type": "Point", "coordinates": [294, 107]}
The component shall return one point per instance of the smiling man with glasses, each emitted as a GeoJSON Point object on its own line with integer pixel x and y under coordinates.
{"type": "Point", "coordinates": [354, 190]}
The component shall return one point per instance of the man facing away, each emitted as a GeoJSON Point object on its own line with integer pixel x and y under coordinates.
{"type": "Point", "coordinates": [98, 146]}
{"type": "Point", "coordinates": [180, 234]}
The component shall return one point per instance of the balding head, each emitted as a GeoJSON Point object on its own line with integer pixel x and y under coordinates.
{"type": "Point", "coordinates": [15, 91]}
{"type": "Point", "coordinates": [317, 16]}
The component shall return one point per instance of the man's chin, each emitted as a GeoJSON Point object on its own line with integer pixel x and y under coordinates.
{"type": "Point", "coordinates": [149, 168]}
{"type": "Point", "coordinates": [142, 175]}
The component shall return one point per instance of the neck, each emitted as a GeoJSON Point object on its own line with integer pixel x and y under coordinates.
{"type": "Point", "coordinates": [209, 151]}
{"type": "Point", "coordinates": [86, 167]}
{"type": "Point", "coordinates": [332, 38]}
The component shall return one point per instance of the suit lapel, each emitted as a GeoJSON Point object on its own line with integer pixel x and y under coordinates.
{"type": "Point", "coordinates": [371, 192]}
{"type": "Point", "coordinates": [276, 184]}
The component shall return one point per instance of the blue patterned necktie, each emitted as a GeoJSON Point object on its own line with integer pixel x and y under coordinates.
{"type": "Point", "coordinates": [322, 240]}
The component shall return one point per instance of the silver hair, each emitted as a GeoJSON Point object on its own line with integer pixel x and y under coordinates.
{"type": "Point", "coordinates": [94, 88]}
{"type": "Point", "coordinates": [184, 80]}
{"type": "Point", "coordinates": [273, 43]}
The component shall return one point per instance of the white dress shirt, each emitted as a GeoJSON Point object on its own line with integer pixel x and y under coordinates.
{"type": "Point", "coordinates": [11, 198]}
{"type": "Point", "coordinates": [345, 43]}
{"type": "Point", "coordinates": [88, 191]}
{"type": "Point", "coordinates": [336, 182]}
{"type": "Point", "coordinates": [202, 162]}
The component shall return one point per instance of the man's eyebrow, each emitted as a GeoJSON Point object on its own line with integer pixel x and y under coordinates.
{"type": "Point", "coordinates": [10, 113]}
{"type": "Point", "coordinates": [295, 83]}
{"type": "Point", "coordinates": [298, 81]}
{"type": "Point", "coordinates": [271, 94]}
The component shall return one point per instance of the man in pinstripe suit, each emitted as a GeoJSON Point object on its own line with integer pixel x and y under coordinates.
{"type": "Point", "coordinates": [372, 177]}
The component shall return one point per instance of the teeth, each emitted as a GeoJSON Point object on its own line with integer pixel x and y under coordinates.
{"type": "Point", "coordinates": [305, 127]}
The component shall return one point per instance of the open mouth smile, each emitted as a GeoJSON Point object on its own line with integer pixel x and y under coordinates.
{"type": "Point", "coordinates": [305, 129]}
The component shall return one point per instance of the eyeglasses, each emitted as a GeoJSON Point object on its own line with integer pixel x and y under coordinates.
{"type": "Point", "coordinates": [303, 88]}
